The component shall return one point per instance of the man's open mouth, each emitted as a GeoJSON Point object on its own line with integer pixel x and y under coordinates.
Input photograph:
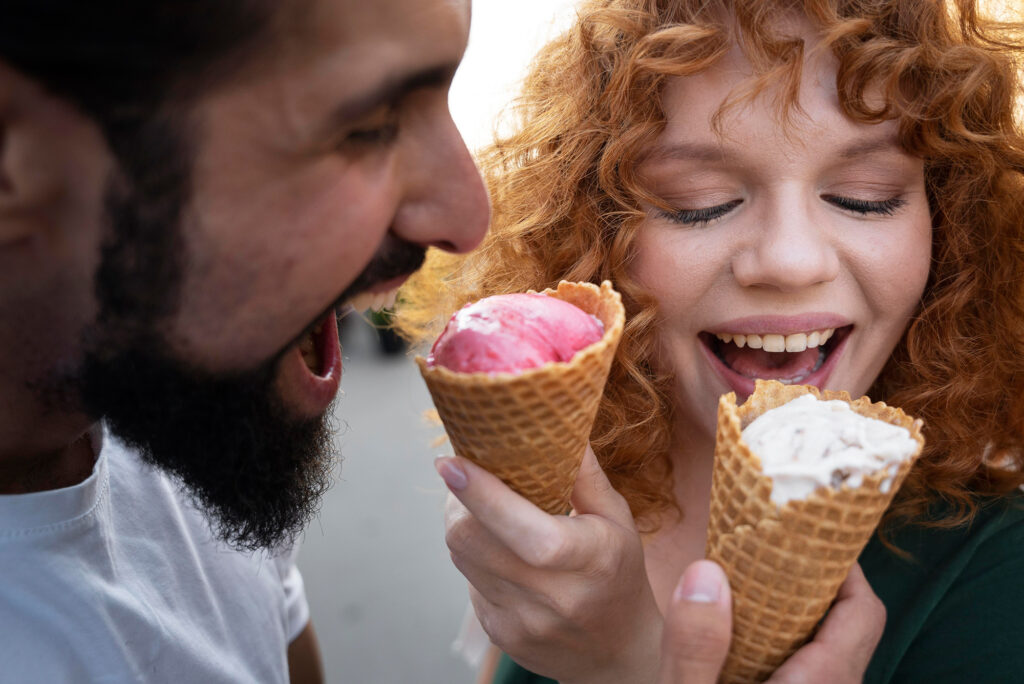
{"type": "Point", "coordinates": [310, 370]}
{"type": "Point", "coordinates": [317, 346]}
{"type": "Point", "coordinates": [791, 358]}
{"type": "Point", "coordinates": [373, 301]}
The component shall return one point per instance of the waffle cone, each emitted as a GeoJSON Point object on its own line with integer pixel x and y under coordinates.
{"type": "Point", "coordinates": [785, 564]}
{"type": "Point", "coordinates": [531, 428]}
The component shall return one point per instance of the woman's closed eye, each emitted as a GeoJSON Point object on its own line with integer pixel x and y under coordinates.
{"type": "Point", "coordinates": [702, 216]}
{"type": "Point", "coordinates": [863, 207]}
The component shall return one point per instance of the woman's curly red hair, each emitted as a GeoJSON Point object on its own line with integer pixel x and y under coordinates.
{"type": "Point", "coordinates": [566, 196]}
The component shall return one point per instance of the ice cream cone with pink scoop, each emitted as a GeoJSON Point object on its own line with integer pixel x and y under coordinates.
{"type": "Point", "coordinates": [517, 380]}
{"type": "Point", "coordinates": [801, 480]}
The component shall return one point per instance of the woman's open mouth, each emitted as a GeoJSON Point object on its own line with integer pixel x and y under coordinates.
{"type": "Point", "coordinates": [804, 358]}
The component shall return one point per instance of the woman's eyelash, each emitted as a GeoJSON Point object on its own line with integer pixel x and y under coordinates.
{"type": "Point", "coordinates": [858, 206]}
{"type": "Point", "coordinates": [700, 216]}
{"type": "Point", "coordinates": [706, 215]}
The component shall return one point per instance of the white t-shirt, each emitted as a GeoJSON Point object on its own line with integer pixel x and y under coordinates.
{"type": "Point", "coordinates": [118, 579]}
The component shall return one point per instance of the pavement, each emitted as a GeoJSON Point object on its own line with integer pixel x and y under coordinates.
{"type": "Point", "coordinates": [385, 598]}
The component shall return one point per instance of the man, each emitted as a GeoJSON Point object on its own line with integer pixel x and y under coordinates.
{"type": "Point", "coordinates": [189, 192]}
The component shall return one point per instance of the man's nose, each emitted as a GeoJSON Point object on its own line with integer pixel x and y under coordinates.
{"type": "Point", "coordinates": [445, 203]}
{"type": "Point", "coordinates": [790, 249]}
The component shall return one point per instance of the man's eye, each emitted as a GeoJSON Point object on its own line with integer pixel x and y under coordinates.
{"type": "Point", "coordinates": [864, 207]}
{"type": "Point", "coordinates": [377, 136]}
{"type": "Point", "coordinates": [700, 217]}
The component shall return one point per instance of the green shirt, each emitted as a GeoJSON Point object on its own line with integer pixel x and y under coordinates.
{"type": "Point", "coordinates": [955, 611]}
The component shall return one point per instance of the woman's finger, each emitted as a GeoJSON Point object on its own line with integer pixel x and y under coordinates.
{"type": "Point", "coordinates": [842, 648]}
{"type": "Point", "coordinates": [541, 540]}
{"type": "Point", "coordinates": [698, 627]}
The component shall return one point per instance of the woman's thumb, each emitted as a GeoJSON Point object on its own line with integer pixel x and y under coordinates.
{"type": "Point", "coordinates": [698, 627]}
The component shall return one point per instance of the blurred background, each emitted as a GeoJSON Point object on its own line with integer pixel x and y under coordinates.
{"type": "Point", "coordinates": [385, 599]}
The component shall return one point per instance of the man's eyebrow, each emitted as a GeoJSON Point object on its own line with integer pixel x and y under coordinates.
{"type": "Point", "coordinates": [390, 92]}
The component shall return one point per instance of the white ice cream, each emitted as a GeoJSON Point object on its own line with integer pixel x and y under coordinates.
{"type": "Point", "coordinates": [808, 443]}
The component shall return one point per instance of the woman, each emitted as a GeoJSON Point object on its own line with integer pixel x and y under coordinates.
{"type": "Point", "coordinates": [846, 177]}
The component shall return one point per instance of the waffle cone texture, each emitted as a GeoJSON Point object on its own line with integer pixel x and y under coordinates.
{"type": "Point", "coordinates": [531, 428]}
{"type": "Point", "coordinates": [785, 564]}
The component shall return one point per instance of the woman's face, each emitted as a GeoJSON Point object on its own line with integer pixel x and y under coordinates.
{"type": "Point", "coordinates": [794, 251]}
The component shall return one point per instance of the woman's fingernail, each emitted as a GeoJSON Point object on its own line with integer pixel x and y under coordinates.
{"type": "Point", "coordinates": [701, 583]}
{"type": "Point", "coordinates": [452, 473]}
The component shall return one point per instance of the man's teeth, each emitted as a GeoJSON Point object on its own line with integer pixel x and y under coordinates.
{"type": "Point", "coordinates": [307, 347]}
{"type": "Point", "coordinates": [374, 301]}
{"type": "Point", "coordinates": [797, 342]}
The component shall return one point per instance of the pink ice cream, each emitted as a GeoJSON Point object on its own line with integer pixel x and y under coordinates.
{"type": "Point", "coordinates": [511, 333]}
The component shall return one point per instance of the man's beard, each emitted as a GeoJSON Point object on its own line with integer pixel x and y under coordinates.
{"type": "Point", "coordinates": [257, 471]}
{"type": "Point", "coordinates": [254, 470]}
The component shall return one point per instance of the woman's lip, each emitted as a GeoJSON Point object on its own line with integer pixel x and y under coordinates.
{"type": "Point", "coordinates": [744, 386]}
{"type": "Point", "coordinates": [310, 395]}
{"type": "Point", "coordinates": [779, 325]}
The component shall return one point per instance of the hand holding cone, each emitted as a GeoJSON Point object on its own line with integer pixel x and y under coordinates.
{"type": "Point", "coordinates": [785, 564]}
{"type": "Point", "coordinates": [531, 428]}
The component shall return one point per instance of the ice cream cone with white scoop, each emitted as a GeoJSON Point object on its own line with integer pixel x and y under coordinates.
{"type": "Point", "coordinates": [798, 490]}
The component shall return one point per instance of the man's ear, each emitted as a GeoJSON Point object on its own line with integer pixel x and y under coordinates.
{"type": "Point", "coordinates": [35, 140]}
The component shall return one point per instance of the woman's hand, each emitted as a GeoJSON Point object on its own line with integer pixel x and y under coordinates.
{"type": "Point", "coordinates": [699, 623]}
{"type": "Point", "coordinates": [697, 627]}
{"type": "Point", "coordinates": [565, 596]}
{"type": "Point", "coordinates": [842, 648]}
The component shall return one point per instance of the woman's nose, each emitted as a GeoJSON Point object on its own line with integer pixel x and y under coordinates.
{"type": "Point", "coordinates": [790, 249]}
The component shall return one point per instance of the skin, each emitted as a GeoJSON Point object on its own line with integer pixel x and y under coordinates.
{"type": "Point", "coordinates": [790, 250]}
{"type": "Point", "coordinates": [305, 665]}
{"type": "Point", "coordinates": [564, 604]}
{"type": "Point", "coordinates": [52, 169]}
{"type": "Point", "coordinates": [282, 178]}
{"type": "Point", "coordinates": [294, 192]}
{"type": "Point", "coordinates": [779, 244]}
{"type": "Point", "coordinates": [335, 142]}
{"type": "Point", "coordinates": [358, 159]}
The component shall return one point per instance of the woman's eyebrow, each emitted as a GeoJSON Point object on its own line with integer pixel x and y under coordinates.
{"type": "Point", "coordinates": [712, 152]}
{"type": "Point", "coordinates": [861, 148]}
{"type": "Point", "coordinates": [687, 151]}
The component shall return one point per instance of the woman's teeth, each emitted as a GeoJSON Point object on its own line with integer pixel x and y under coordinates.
{"type": "Point", "coordinates": [797, 342]}
{"type": "Point", "coordinates": [374, 301]}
